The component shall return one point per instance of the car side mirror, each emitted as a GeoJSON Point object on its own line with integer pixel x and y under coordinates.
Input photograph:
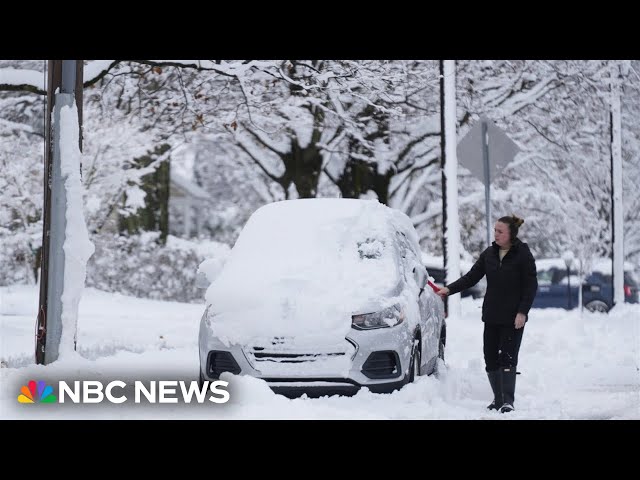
{"type": "Point", "coordinates": [420, 276]}
{"type": "Point", "coordinates": [208, 271]}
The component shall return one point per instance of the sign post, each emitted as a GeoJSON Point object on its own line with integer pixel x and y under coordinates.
{"type": "Point", "coordinates": [485, 150]}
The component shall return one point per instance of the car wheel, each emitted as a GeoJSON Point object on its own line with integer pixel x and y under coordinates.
{"type": "Point", "coordinates": [414, 365]}
{"type": "Point", "coordinates": [442, 342]}
{"type": "Point", "coordinates": [597, 306]}
{"type": "Point", "coordinates": [439, 367]}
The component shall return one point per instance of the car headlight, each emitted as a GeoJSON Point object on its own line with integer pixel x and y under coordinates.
{"type": "Point", "coordinates": [389, 317]}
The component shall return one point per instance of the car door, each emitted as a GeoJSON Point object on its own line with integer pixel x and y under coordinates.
{"type": "Point", "coordinates": [429, 325]}
{"type": "Point", "coordinates": [553, 290]}
{"type": "Point", "coordinates": [546, 297]}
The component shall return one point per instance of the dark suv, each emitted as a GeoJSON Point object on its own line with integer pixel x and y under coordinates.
{"type": "Point", "coordinates": [597, 289]}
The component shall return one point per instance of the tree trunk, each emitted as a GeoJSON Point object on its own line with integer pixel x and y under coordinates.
{"type": "Point", "coordinates": [303, 166]}
{"type": "Point", "coordinates": [360, 176]}
{"type": "Point", "coordinates": [155, 215]}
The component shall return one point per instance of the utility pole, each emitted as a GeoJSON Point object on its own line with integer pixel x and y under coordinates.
{"type": "Point", "coordinates": [617, 232]}
{"type": "Point", "coordinates": [443, 163]}
{"type": "Point", "coordinates": [65, 86]}
{"type": "Point", "coordinates": [450, 218]}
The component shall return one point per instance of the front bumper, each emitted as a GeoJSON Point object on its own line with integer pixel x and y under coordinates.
{"type": "Point", "coordinates": [374, 359]}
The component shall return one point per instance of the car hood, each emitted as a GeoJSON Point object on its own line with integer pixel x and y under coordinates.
{"type": "Point", "coordinates": [302, 312]}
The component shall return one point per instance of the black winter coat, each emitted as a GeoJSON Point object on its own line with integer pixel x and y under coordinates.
{"type": "Point", "coordinates": [511, 284]}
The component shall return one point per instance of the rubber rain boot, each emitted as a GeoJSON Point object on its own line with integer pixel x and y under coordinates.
{"type": "Point", "coordinates": [495, 379]}
{"type": "Point", "coordinates": [508, 389]}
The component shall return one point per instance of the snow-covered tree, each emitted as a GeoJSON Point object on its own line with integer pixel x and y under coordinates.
{"type": "Point", "coordinates": [267, 130]}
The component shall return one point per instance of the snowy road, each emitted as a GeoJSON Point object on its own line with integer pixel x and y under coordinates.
{"type": "Point", "coordinates": [572, 367]}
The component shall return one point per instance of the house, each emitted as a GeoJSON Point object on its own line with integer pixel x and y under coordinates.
{"type": "Point", "coordinates": [186, 202]}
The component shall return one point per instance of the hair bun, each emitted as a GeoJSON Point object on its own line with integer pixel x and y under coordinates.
{"type": "Point", "coordinates": [517, 220]}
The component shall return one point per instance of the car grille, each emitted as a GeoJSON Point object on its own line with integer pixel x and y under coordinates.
{"type": "Point", "coordinates": [260, 356]}
{"type": "Point", "coordinates": [284, 355]}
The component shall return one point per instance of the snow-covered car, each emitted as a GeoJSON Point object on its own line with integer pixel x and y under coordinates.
{"type": "Point", "coordinates": [323, 296]}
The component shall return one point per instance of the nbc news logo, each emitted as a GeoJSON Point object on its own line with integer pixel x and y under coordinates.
{"type": "Point", "coordinates": [93, 391]}
{"type": "Point", "coordinates": [38, 392]}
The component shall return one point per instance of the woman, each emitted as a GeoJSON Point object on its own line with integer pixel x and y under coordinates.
{"type": "Point", "coordinates": [511, 287]}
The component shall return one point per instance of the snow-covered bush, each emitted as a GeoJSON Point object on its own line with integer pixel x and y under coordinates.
{"type": "Point", "coordinates": [138, 266]}
{"type": "Point", "coordinates": [17, 259]}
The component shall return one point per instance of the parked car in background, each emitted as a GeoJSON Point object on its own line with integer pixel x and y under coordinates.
{"type": "Point", "coordinates": [435, 267]}
{"type": "Point", "coordinates": [557, 290]}
{"type": "Point", "coordinates": [323, 296]}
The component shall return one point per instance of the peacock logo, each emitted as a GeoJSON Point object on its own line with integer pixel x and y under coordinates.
{"type": "Point", "coordinates": [37, 392]}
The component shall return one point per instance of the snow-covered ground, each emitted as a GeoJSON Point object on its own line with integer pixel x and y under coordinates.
{"type": "Point", "coordinates": [572, 367]}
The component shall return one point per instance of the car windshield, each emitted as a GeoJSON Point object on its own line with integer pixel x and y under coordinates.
{"type": "Point", "coordinates": [545, 277]}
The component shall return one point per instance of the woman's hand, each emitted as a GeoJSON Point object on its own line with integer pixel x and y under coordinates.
{"type": "Point", "coordinates": [520, 319]}
{"type": "Point", "coordinates": [443, 292]}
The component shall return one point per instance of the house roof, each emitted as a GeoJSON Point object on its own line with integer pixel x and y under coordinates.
{"type": "Point", "coordinates": [188, 186]}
